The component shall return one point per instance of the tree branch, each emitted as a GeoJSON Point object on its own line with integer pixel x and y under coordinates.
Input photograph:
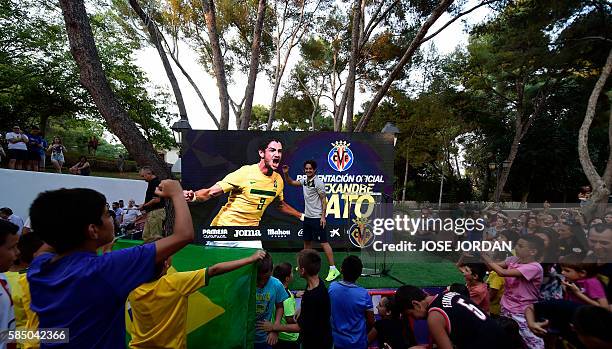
{"type": "Point", "coordinates": [583, 135]}
{"type": "Point", "coordinates": [456, 18]}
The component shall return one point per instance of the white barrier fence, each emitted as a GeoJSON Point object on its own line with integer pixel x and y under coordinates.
{"type": "Point", "coordinates": [19, 188]}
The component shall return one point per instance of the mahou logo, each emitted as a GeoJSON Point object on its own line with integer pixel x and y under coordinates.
{"type": "Point", "coordinates": [340, 157]}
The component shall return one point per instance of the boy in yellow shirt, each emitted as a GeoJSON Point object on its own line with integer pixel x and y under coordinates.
{"type": "Point", "coordinates": [159, 308]}
{"type": "Point", "coordinates": [25, 318]}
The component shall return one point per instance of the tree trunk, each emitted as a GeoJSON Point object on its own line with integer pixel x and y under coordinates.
{"type": "Point", "coordinates": [44, 122]}
{"type": "Point", "coordinates": [155, 36]}
{"type": "Point", "coordinates": [254, 66]}
{"type": "Point", "coordinates": [600, 185]}
{"type": "Point", "coordinates": [83, 49]}
{"type": "Point", "coordinates": [218, 63]}
{"type": "Point", "coordinates": [505, 172]}
{"type": "Point", "coordinates": [397, 70]}
{"type": "Point", "coordinates": [350, 81]}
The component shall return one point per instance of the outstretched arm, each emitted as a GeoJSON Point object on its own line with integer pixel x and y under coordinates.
{"type": "Point", "coordinates": [287, 209]}
{"type": "Point", "coordinates": [226, 267]}
{"type": "Point", "coordinates": [182, 233]}
{"type": "Point", "coordinates": [288, 178]}
{"type": "Point", "coordinates": [203, 194]}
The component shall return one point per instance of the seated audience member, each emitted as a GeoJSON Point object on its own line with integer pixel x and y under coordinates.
{"type": "Point", "coordinates": [159, 307]}
{"type": "Point", "coordinates": [581, 284]}
{"type": "Point", "coordinates": [474, 274]}
{"type": "Point", "coordinates": [600, 245]}
{"type": "Point", "coordinates": [352, 308]}
{"type": "Point", "coordinates": [583, 326]}
{"type": "Point", "coordinates": [130, 214]}
{"type": "Point", "coordinates": [81, 168]}
{"type": "Point", "coordinates": [459, 288]}
{"type": "Point", "coordinates": [313, 322]}
{"type": "Point", "coordinates": [8, 255]}
{"type": "Point", "coordinates": [269, 298]}
{"type": "Point", "coordinates": [77, 289]}
{"type": "Point", "coordinates": [523, 277]}
{"type": "Point", "coordinates": [495, 285]}
{"type": "Point", "coordinates": [453, 321]}
{"type": "Point", "coordinates": [28, 245]}
{"type": "Point", "coordinates": [7, 214]}
{"type": "Point", "coordinates": [572, 240]}
{"type": "Point", "coordinates": [388, 331]}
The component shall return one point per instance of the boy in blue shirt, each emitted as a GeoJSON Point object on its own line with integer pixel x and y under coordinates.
{"type": "Point", "coordinates": [269, 299]}
{"type": "Point", "coordinates": [75, 288]}
{"type": "Point", "coordinates": [351, 308]}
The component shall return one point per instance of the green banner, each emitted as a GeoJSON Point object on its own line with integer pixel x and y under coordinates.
{"type": "Point", "coordinates": [222, 314]}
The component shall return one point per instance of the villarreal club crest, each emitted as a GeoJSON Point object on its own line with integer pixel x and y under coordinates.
{"type": "Point", "coordinates": [360, 233]}
{"type": "Point", "coordinates": [340, 157]}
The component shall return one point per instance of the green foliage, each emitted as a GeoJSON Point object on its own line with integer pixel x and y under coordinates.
{"type": "Point", "coordinates": [533, 47]}
{"type": "Point", "coordinates": [39, 80]}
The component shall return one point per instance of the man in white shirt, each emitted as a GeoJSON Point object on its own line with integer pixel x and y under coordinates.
{"type": "Point", "coordinates": [17, 148]}
{"type": "Point", "coordinates": [130, 214]}
{"type": "Point", "coordinates": [7, 214]}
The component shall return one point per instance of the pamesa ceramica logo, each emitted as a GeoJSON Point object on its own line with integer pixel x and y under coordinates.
{"type": "Point", "coordinates": [360, 233]}
{"type": "Point", "coordinates": [340, 157]}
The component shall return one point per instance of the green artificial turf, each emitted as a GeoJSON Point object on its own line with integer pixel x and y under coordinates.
{"type": "Point", "coordinates": [414, 269]}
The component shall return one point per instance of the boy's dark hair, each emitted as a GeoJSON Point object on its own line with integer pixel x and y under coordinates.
{"type": "Point", "coordinates": [459, 288]}
{"type": "Point", "coordinates": [573, 261]}
{"type": "Point", "coordinates": [263, 144]}
{"type": "Point", "coordinates": [535, 242]}
{"type": "Point", "coordinates": [511, 329]}
{"type": "Point", "coordinates": [28, 245]}
{"type": "Point", "coordinates": [7, 211]}
{"type": "Point", "coordinates": [61, 228]}
{"type": "Point", "coordinates": [282, 271]}
{"type": "Point", "coordinates": [7, 228]}
{"type": "Point", "coordinates": [478, 269]}
{"type": "Point", "coordinates": [392, 306]}
{"type": "Point", "coordinates": [311, 163]}
{"type": "Point", "coordinates": [264, 265]}
{"type": "Point", "coordinates": [310, 260]}
{"type": "Point", "coordinates": [593, 321]}
{"type": "Point", "coordinates": [148, 169]}
{"type": "Point", "coordinates": [511, 235]}
{"type": "Point", "coordinates": [351, 268]}
{"type": "Point", "coordinates": [406, 294]}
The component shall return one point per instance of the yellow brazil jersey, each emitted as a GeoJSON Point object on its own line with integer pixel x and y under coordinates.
{"type": "Point", "coordinates": [250, 193]}
{"type": "Point", "coordinates": [32, 317]}
{"type": "Point", "coordinates": [17, 295]}
{"type": "Point", "coordinates": [159, 310]}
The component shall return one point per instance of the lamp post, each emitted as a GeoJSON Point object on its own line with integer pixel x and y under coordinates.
{"type": "Point", "coordinates": [391, 128]}
{"type": "Point", "coordinates": [177, 131]}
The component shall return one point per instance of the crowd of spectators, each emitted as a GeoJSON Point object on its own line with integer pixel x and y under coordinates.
{"type": "Point", "coordinates": [29, 151]}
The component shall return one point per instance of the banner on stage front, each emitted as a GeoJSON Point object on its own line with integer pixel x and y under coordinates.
{"type": "Point", "coordinates": [356, 168]}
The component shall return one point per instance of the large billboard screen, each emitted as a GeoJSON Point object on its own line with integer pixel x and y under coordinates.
{"type": "Point", "coordinates": [356, 168]}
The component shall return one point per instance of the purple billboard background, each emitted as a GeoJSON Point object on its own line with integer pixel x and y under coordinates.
{"type": "Point", "coordinates": [210, 155]}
